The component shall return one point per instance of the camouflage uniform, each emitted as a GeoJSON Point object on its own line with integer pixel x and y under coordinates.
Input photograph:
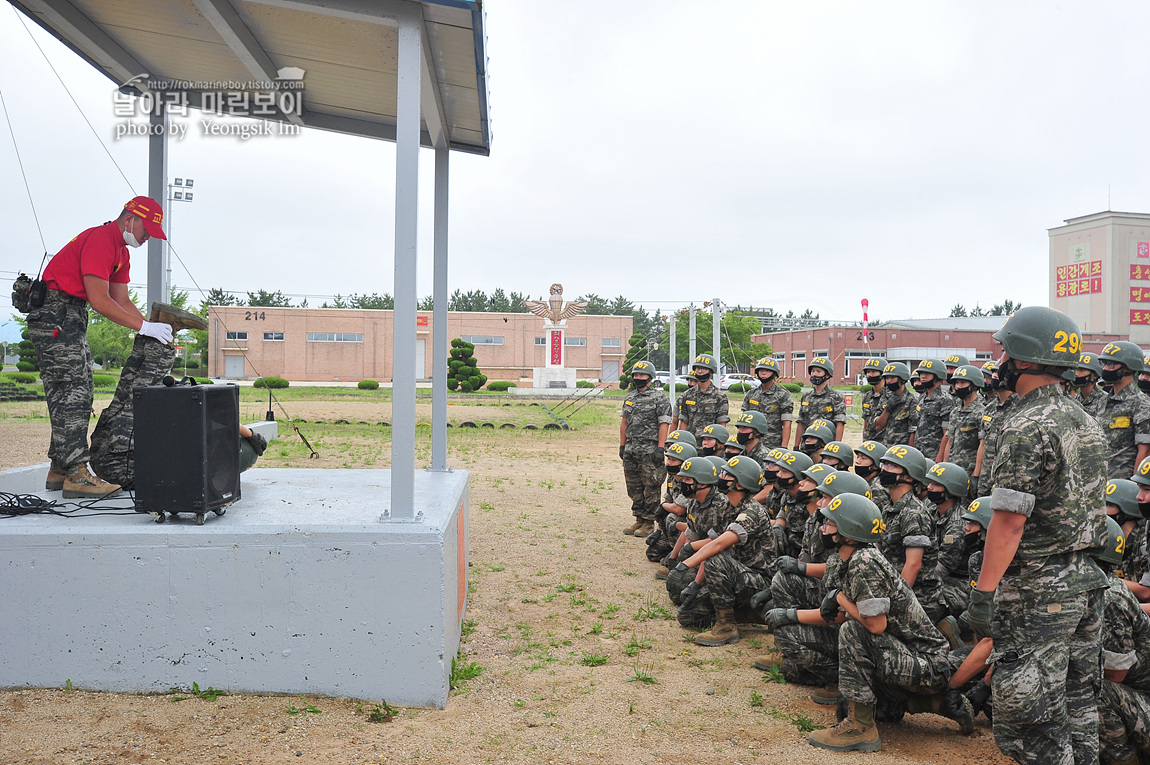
{"type": "Point", "coordinates": [743, 569]}
{"type": "Point", "coordinates": [1050, 468]}
{"type": "Point", "coordinates": [828, 405]}
{"type": "Point", "coordinates": [810, 653]}
{"type": "Point", "coordinates": [950, 540]}
{"type": "Point", "coordinates": [643, 466]}
{"type": "Point", "coordinates": [881, 497]}
{"type": "Point", "coordinates": [912, 524]}
{"type": "Point", "coordinates": [795, 515]}
{"type": "Point", "coordinates": [1095, 402]}
{"type": "Point", "coordinates": [1126, 423]}
{"type": "Point", "coordinates": [59, 333]}
{"type": "Point", "coordinates": [902, 416]}
{"type": "Point", "coordinates": [871, 409]}
{"type": "Point", "coordinates": [934, 410]}
{"type": "Point", "coordinates": [908, 657]}
{"type": "Point", "coordinates": [759, 452]}
{"type": "Point", "coordinates": [777, 406]}
{"type": "Point", "coordinates": [702, 520]}
{"type": "Point", "coordinates": [702, 408]}
{"type": "Point", "coordinates": [965, 432]}
{"type": "Point", "coordinates": [799, 590]}
{"type": "Point", "coordinates": [994, 415]}
{"type": "Point", "coordinates": [112, 456]}
{"type": "Point", "coordinates": [1124, 708]}
{"type": "Point", "coordinates": [1134, 559]}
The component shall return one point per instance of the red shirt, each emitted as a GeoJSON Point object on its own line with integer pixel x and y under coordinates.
{"type": "Point", "coordinates": [99, 251]}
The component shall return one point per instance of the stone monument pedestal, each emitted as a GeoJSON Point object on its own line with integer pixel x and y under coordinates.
{"type": "Point", "coordinates": [553, 377]}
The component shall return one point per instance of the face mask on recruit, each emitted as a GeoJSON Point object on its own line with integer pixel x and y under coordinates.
{"type": "Point", "coordinates": [702, 375]}
{"type": "Point", "coordinates": [960, 393]}
{"type": "Point", "coordinates": [1081, 381]}
{"type": "Point", "coordinates": [640, 384]}
{"type": "Point", "coordinates": [887, 478]}
{"type": "Point", "coordinates": [674, 469]}
{"type": "Point", "coordinates": [1144, 386]}
{"type": "Point", "coordinates": [1110, 375]}
{"type": "Point", "coordinates": [873, 379]}
{"type": "Point", "coordinates": [919, 387]}
{"type": "Point", "coordinates": [829, 541]}
{"type": "Point", "coordinates": [866, 471]}
{"type": "Point", "coordinates": [743, 438]}
{"type": "Point", "coordinates": [726, 484]}
{"type": "Point", "coordinates": [786, 483]}
{"type": "Point", "coordinates": [1012, 375]}
{"type": "Point", "coordinates": [937, 497]}
{"type": "Point", "coordinates": [971, 542]}
{"type": "Point", "coordinates": [130, 238]}
{"type": "Point", "coordinates": [818, 379]}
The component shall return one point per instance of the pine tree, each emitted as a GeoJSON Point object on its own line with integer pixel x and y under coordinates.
{"type": "Point", "coordinates": [636, 353]}
{"type": "Point", "coordinates": [462, 370]}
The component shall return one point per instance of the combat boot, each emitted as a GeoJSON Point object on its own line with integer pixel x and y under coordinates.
{"type": "Point", "coordinates": [55, 480]}
{"type": "Point", "coordinates": [81, 484]}
{"type": "Point", "coordinates": [630, 530]}
{"type": "Point", "coordinates": [950, 703]}
{"type": "Point", "coordinates": [724, 631]}
{"type": "Point", "coordinates": [645, 528]}
{"type": "Point", "coordinates": [950, 630]}
{"type": "Point", "coordinates": [177, 318]}
{"type": "Point", "coordinates": [662, 572]}
{"type": "Point", "coordinates": [855, 733]}
{"type": "Point", "coordinates": [828, 695]}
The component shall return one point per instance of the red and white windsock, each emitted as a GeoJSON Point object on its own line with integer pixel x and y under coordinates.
{"type": "Point", "coordinates": [865, 306]}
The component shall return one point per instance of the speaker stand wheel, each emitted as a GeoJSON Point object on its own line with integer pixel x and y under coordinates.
{"type": "Point", "coordinates": [199, 519]}
{"type": "Point", "coordinates": [158, 517]}
{"type": "Point", "coordinates": [220, 511]}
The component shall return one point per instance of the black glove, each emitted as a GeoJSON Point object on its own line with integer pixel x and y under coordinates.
{"type": "Point", "coordinates": [790, 565]}
{"type": "Point", "coordinates": [690, 592]}
{"type": "Point", "coordinates": [259, 443]}
{"type": "Point", "coordinates": [653, 537]}
{"type": "Point", "coordinates": [953, 702]}
{"type": "Point", "coordinates": [668, 562]}
{"type": "Point", "coordinates": [780, 537]}
{"type": "Point", "coordinates": [658, 454]}
{"type": "Point", "coordinates": [780, 617]}
{"type": "Point", "coordinates": [621, 448]}
{"type": "Point", "coordinates": [980, 612]}
{"type": "Point", "coordinates": [829, 608]}
{"type": "Point", "coordinates": [761, 599]}
{"type": "Point", "coordinates": [978, 696]}
{"type": "Point", "coordinates": [681, 566]}
{"type": "Point", "coordinates": [686, 551]}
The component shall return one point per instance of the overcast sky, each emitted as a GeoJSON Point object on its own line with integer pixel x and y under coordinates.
{"type": "Point", "coordinates": [779, 154]}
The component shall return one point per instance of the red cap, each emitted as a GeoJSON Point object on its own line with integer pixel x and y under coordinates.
{"type": "Point", "coordinates": [150, 210]}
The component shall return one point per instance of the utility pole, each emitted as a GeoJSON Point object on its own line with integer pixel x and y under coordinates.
{"type": "Point", "coordinates": [671, 383]}
{"type": "Point", "coordinates": [691, 336]}
{"type": "Point", "coordinates": [716, 316]}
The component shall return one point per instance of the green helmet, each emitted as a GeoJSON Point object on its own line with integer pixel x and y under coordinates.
{"type": "Point", "coordinates": [681, 450]}
{"type": "Point", "coordinates": [1090, 361]}
{"type": "Point", "coordinates": [841, 451]}
{"type": "Point", "coordinates": [970, 373]}
{"type": "Point", "coordinates": [682, 436]}
{"type": "Point", "coordinates": [856, 517]}
{"type": "Point", "coordinates": [1115, 543]}
{"type": "Point", "coordinates": [1142, 473]}
{"type": "Point", "coordinates": [817, 473]}
{"type": "Point", "coordinates": [732, 442]}
{"type": "Point", "coordinates": [1125, 353]}
{"type": "Point", "coordinates": [769, 364]}
{"type": "Point", "coordinates": [1043, 336]}
{"type": "Point", "coordinates": [989, 368]}
{"type": "Point", "coordinates": [644, 368]}
{"type": "Point", "coordinates": [909, 459]}
{"type": "Point", "coordinates": [792, 462]}
{"type": "Point", "coordinates": [823, 363]}
{"type": "Point", "coordinates": [755, 420]}
{"type": "Point", "coordinates": [875, 362]}
{"type": "Point", "coordinates": [716, 460]}
{"type": "Point", "coordinates": [746, 473]}
{"type": "Point", "coordinates": [1123, 494]}
{"type": "Point", "coordinates": [896, 369]}
{"type": "Point", "coordinates": [979, 511]}
{"type": "Point", "coordinates": [844, 482]}
{"type": "Point", "coordinates": [872, 449]}
{"type": "Point", "coordinates": [934, 366]}
{"type": "Point", "coordinates": [824, 433]}
{"type": "Point", "coordinates": [717, 432]}
{"type": "Point", "coordinates": [951, 477]}
{"type": "Point", "coordinates": [700, 470]}
{"type": "Point", "coordinates": [956, 360]}
{"type": "Point", "coordinates": [705, 360]}
{"type": "Point", "coordinates": [820, 422]}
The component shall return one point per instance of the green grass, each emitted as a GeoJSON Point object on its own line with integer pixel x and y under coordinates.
{"type": "Point", "coordinates": [461, 673]}
{"type": "Point", "coordinates": [593, 660]}
{"type": "Point", "coordinates": [801, 721]}
{"type": "Point", "coordinates": [383, 713]}
{"type": "Point", "coordinates": [774, 675]}
{"type": "Point", "coordinates": [641, 676]}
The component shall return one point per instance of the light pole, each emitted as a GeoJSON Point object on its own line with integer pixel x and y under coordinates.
{"type": "Point", "coordinates": [178, 191]}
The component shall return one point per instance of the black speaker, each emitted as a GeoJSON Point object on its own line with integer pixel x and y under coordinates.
{"type": "Point", "coordinates": [187, 449]}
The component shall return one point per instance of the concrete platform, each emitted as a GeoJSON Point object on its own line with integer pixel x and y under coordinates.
{"type": "Point", "coordinates": [303, 586]}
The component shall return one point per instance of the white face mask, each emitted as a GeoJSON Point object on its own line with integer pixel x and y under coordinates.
{"type": "Point", "coordinates": [130, 238]}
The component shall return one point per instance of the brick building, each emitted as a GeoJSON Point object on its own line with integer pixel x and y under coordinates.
{"type": "Point", "coordinates": [316, 344]}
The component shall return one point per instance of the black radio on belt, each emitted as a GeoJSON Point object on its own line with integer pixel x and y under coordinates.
{"type": "Point", "coordinates": [36, 293]}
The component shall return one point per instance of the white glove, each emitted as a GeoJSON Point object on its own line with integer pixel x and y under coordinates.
{"type": "Point", "coordinates": [158, 330]}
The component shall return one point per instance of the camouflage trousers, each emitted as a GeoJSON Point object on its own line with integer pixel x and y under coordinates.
{"type": "Point", "coordinates": [1124, 721]}
{"type": "Point", "coordinates": [700, 613]}
{"type": "Point", "coordinates": [955, 595]}
{"type": "Point", "coordinates": [810, 654]}
{"type": "Point", "coordinates": [795, 591]}
{"type": "Point", "coordinates": [645, 482]}
{"type": "Point", "coordinates": [59, 333]}
{"type": "Point", "coordinates": [112, 457]}
{"type": "Point", "coordinates": [872, 665]}
{"type": "Point", "coordinates": [730, 582]}
{"type": "Point", "coordinates": [1047, 675]}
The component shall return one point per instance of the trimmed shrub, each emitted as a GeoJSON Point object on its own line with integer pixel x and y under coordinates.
{"type": "Point", "coordinates": [499, 386]}
{"type": "Point", "coordinates": [866, 388]}
{"type": "Point", "coordinates": [740, 387]}
{"type": "Point", "coordinates": [636, 351]}
{"type": "Point", "coordinates": [680, 387]}
{"type": "Point", "coordinates": [465, 386]}
{"type": "Point", "coordinates": [104, 381]}
{"type": "Point", "coordinates": [464, 370]}
{"type": "Point", "coordinates": [193, 364]}
{"type": "Point", "coordinates": [793, 387]}
{"type": "Point", "coordinates": [452, 383]}
{"type": "Point", "coordinates": [270, 382]}
{"type": "Point", "coordinates": [368, 385]}
{"type": "Point", "coordinates": [584, 384]}
{"type": "Point", "coordinates": [24, 378]}
{"type": "Point", "coordinates": [25, 366]}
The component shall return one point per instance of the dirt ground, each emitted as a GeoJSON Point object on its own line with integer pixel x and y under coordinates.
{"type": "Point", "coordinates": [571, 640]}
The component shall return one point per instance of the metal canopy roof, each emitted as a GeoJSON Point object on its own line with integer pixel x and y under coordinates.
{"type": "Point", "coordinates": [347, 48]}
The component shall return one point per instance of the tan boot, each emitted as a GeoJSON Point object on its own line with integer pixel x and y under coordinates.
{"type": "Point", "coordinates": [662, 572]}
{"type": "Point", "coordinates": [55, 480]}
{"type": "Point", "coordinates": [178, 318]}
{"type": "Point", "coordinates": [950, 630]}
{"type": "Point", "coordinates": [856, 733]}
{"type": "Point", "coordinates": [645, 528]}
{"type": "Point", "coordinates": [724, 630]}
{"type": "Point", "coordinates": [828, 695]}
{"type": "Point", "coordinates": [81, 484]}
{"type": "Point", "coordinates": [630, 530]}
